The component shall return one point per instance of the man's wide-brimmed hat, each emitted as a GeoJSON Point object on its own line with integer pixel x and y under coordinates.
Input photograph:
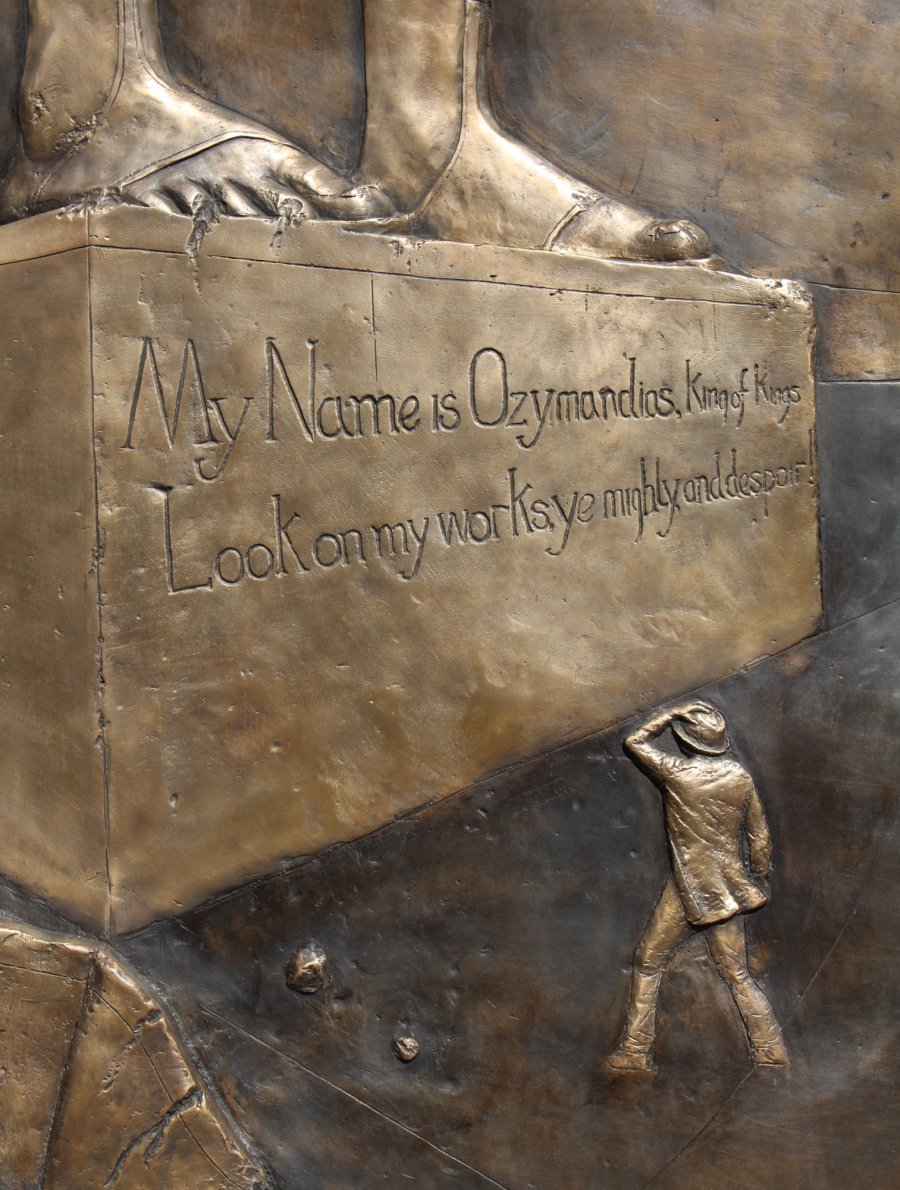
{"type": "Point", "coordinates": [704, 730]}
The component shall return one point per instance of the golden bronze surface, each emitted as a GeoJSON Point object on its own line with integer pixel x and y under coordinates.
{"type": "Point", "coordinates": [319, 461]}
{"type": "Point", "coordinates": [96, 1088]}
{"type": "Point", "coordinates": [776, 136]}
{"type": "Point", "coordinates": [372, 462]}
{"type": "Point", "coordinates": [114, 125]}
{"type": "Point", "coordinates": [431, 139]}
{"type": "Point", "coordinates": [121, 129]}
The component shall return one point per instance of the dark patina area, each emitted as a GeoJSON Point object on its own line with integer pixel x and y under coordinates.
{"type": "Point", "coordinates": [498, 928]}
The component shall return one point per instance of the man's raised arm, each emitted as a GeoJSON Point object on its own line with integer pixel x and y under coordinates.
{"type": "Point", "coordinates": [638, 745]}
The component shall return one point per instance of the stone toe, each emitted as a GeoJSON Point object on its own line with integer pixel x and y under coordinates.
{"type": "Point", "coordinates": [358, 202]}
{"type": "Point", "coordinates": [677, 239]}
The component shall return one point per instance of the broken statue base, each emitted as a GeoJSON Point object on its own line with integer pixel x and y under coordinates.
{"type": "Point", "coordinates": [303, 532]}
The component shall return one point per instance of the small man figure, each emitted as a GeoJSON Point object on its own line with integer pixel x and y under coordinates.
{"type": "Point", "coordinates": [712, 809]}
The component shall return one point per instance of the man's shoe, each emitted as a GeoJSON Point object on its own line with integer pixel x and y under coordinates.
{"type": "Point", "coordinates": [770, 1055]}
{"type": "Point", "coordinates": [628, 1059]}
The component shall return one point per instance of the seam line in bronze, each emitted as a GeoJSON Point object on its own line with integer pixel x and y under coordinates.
{"type": "Point", "coordinates": [688, 1144]}
{"type": "Point", "coordinates": [47, 255]}
{"type": "Point", "coordinates": [102, 741]}
{"type": "Point", "coordinates": [64, 1075]}
{"type": "Point", "coordinates": [610, 293]}
{"type": "Point", "coordinates": [851, 288]}
{"type": "Point", "coordinates": [173, 1103]}
{"type": "Point", "coordinates": [362, 1103]}
{"type": "Point", "coordinates": [863, 883]}
{"type": "Point", "coordinates": [339, 268]}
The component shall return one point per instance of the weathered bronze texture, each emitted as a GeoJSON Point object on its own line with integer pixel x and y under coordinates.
{"type": "Point", "coordinates": [858, 434]}
{"type": "Point", "coordinates": [778, 136]}
{"type": "Point", "coordinates": [371, 464]}
{"type": "Point", "coordinates": [96, 1089]}
{"type": "Point", "coordinates": [103, 120]}
{"type": "Point", "coordinates": [307, 466]}
{"type": "Point", "coordinates": [860, 334]}
{"type": "Point", "coordinates": [500, 926]}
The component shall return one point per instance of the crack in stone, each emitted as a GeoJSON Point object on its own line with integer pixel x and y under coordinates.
{"type": "Point", "coordinates": [77, 1031]}
{"type": "Point", "coordinates": [118, 1065]}
{"type": "Point", "coordinates": [349, 1095]}
{"type": "Point", "coordinates": [155, 1134]}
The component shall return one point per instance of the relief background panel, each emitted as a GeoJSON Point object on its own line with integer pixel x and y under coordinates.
{"type": "Point", "coordinates": [777, 135]}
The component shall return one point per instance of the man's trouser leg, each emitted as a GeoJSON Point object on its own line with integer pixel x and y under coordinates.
{"type": "Point", "coordinates": [665, 931]}
{"type": "Point", "coordinates": [727, 942]}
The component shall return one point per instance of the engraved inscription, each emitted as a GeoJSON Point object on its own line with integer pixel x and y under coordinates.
{"type": "Point", "coordinates": [526, 510]}
{"type": "Point", "coordinates": [323, 416]}
{"type": "Point", "coordinates": [298, 408]}
{"type": "Point", "coordinates": [422, 497]}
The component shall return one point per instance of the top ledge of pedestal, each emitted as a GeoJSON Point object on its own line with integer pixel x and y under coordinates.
{"type": "Point", "coordinates": [325, 244]}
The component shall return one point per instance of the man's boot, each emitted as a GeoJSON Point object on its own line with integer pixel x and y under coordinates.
{"type": "Point", "coordinates": [627, 1059]}
{"type": "Point", "coordinates": [635, 1050]}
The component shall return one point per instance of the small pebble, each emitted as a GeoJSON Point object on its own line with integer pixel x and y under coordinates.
{"type": "Point", "coordinates": [305, 971]}
{"type": "Point", "coordinates": [406, 1048]}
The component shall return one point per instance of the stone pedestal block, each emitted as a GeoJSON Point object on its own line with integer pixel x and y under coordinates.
{"type": "Point", "coordinates": [300, 533]}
